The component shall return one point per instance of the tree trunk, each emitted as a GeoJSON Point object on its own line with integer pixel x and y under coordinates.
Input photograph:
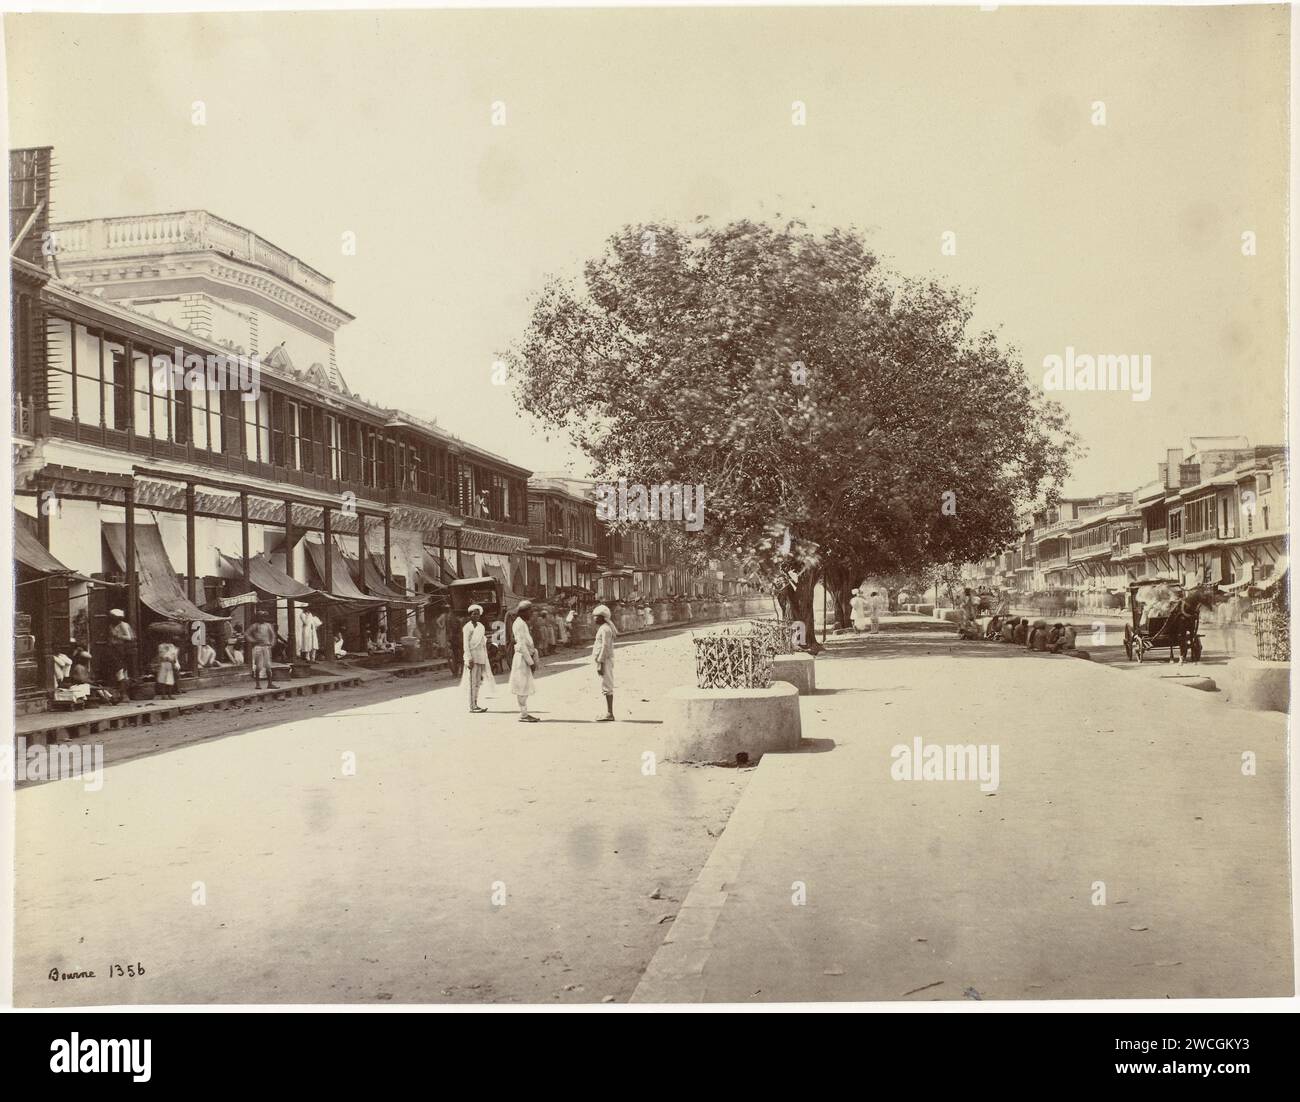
{"type": "Point", "coordinates": [840, 583]}
{"type": "Point", "coordinates": [797, 603]}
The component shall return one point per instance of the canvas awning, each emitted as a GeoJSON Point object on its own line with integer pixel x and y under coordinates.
{"type": "Point", "coordinates": [377, 586]}
{"type": "Point", "coordinates": [1280, 569]}
{"type": "Point", "coordinates": [269, 579]}
{"type": "Point", "coordinates": [159, 589]}
{"type": "Point", "coordinates": [500, 574]}
{"type": "Point", "coordinates": [438, 566]}
{"type": "Point", "coordinates": [29, 551]}
{"type": "Point", "coordinates": [340, 583]}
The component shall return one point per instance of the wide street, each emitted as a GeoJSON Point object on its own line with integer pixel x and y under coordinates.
{"type": "Point", "coordinates": [403, 851]}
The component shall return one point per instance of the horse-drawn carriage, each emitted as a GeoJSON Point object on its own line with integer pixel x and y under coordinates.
{"type": "Point", "coordinates": [1164, 616]}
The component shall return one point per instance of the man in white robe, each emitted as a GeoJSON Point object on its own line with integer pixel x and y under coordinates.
{"type": "Point", "coordinates": [602, 653]}
{"type": "Point", "coordinates": [859, 610]}
{"type": "Point", "coordinates": [525, 661]}
{"type": "Point", "coordinates": [474, 648]}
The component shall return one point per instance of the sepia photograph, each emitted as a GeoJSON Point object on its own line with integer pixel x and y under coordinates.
{"type": "Point", "coordinates": [641, 506]}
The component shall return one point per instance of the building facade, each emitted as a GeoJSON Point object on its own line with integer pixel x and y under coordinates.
{"type": "Point", "coordinates": [1215, 512]}
{"type": "Point", "coordinates": [187, 449]}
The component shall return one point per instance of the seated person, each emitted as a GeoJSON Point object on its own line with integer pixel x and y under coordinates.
{"type": "Point", "coordinates": [1037, 636]}
{"type": "Point", "coordinates": [1159, 601]}
{"type": "Point", "coordinates": [234, 653]}
{"type": "Point", "coordinates": [1065, 641]}
{"type": "Point", "coordinates": [995, 626]}
{"type": "Point", "coordinates": [79, 674]}
{"type": "Point", "coordinates": [339, 652]}
{"type": "Point", "coordinates": [1008, 632]}
{"type": "Point", "coordinates": [1021, 635]}
{"type": "Point", "coordinates": [1054, 635]}
{"type": "Point", "coordinates": [207, 656]}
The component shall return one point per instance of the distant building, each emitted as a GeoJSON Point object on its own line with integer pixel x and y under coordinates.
{"type": "Point", "coordinates": [1216, 512]}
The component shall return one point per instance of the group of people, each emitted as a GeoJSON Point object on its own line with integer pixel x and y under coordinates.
{"type": "Point", "coordinates": [1036, 635]}
{"type": "Point", "coordinates": [866, 610]}
{"type": "Point", "coordinates": [477, 678]}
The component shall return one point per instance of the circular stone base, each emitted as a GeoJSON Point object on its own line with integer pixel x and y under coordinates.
{"type": "Point", "coordinates": [1264, 686]}
{"type": "Point", "coordinates": [731, 726]}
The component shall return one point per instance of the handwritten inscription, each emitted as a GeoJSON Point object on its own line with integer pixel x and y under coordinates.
{"type": "Point", "coordinates": [129, 971]}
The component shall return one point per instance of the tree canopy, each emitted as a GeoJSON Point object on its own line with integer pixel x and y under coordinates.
{"type": "Point", "coordinates": [808, 389]}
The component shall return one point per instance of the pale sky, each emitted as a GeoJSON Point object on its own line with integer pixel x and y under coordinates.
{"type": "Point", "coordinates": [1122, 238]}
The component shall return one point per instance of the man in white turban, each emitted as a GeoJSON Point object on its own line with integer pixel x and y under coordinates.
{"type": "Point", "coordinates": [525, 660]}
{"type": "Point", "coordinates": [474, 649]}
{"type": "Point", "coordinates": [602, 653]}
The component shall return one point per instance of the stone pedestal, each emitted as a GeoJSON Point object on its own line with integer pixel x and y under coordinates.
{"type": "Point", "coordinates": [731, 726]}
{"type": "Point", "coordinates": [799, 670]}
{"type": "Point", "coordinates": [1264, 686]}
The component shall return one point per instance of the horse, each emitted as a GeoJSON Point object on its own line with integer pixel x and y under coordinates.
{"type": "Point", "coordinates": [1180, 626]}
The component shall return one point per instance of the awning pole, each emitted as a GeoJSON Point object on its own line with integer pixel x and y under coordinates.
{"type": "Point", "coordinates": [243, 527]}
{"type": "Point", "coordinates": [288, 569]}
{"type": "Point", "coordinates": [329, 582]}
{"type": "Point", "coordinates": [361, 553]}
{"type": "Point", "coordinates": [190, 566]}
{"type": "Point", "coordinates": [132, 582]}
{"type": "Point", "coordinates": [41, 619]}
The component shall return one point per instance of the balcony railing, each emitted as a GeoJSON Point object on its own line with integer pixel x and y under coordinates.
{"type": "Point", "coordinates": [238, 463]}
{"type": "Point", "coordinates": [182, 230]}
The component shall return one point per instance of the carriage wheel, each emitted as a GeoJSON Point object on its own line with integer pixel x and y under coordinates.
{"type": "Point", "coordinates": [1138, 648]}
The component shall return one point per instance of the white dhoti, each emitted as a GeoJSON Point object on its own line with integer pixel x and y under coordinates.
{"type": "Point", "coordinates": [477, 681]}
{"type": "Point", "coordinates": [522, 682]}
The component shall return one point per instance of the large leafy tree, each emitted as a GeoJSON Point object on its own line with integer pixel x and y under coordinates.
{"type": "Point", "coordinates": [843, 420]}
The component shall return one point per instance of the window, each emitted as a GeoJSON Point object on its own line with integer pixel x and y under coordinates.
{"type": "Point", "coordinates": [1175, 524]}
{"type": "Point", "coordinates": [142, 384]}
{"type": "Point", "coordinates": [199, 431]}
{"type": "Point", "coordinates": [1198, 516]}
{"type": "Point", "coordinates": [301, 436]}
{"type": "Point", "coordinates": [352, 451]}
{"type": "Point", "coordinates": [89, 380]}
{"type": "Point", "coordinates": [466, 490]}
{"type": "Point", "coordinates": [117, 408]}
{"type": "Point", "coordinates": [281, 417]}
{"type": "Point", "coordinates": [257, 428]}
{"type": "Point", "coordinates": [334, 439]}
{"type": "Point", "coordinates": [370, 458]}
